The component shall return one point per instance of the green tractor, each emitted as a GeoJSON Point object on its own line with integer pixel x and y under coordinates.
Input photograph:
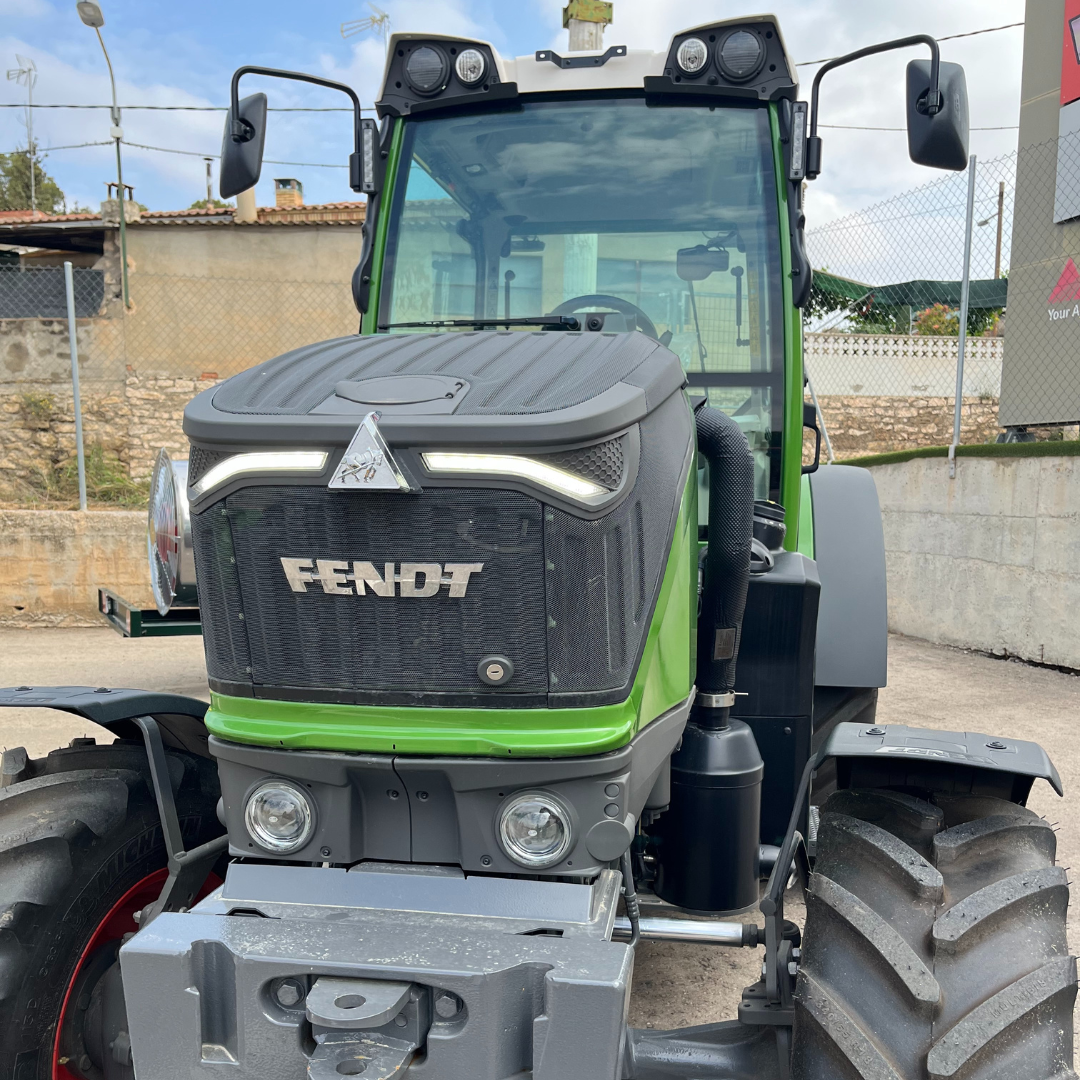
{"type": "Point", "coordinates": [473, 585]}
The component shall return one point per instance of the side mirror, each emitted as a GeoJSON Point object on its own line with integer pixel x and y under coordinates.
{"type": "Point", "coordinates": [242, 146]}
{"type": "Point", "coordinates": [939, 139]}
{"type": "Point", "coordinates": [698, 262]}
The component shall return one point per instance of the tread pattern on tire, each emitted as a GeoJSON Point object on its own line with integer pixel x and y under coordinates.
{"type": "Point", "coordinates": [935, 944]}
{"type": "Point", "coordinates": [71, 837]}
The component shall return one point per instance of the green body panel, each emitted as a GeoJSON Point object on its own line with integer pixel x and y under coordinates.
{"type": "Point", "coordinates": [664, 678]}
{"type": "Point", "coordinates": [806, 521]}
{"type": "Point", "coordinates": [397, 135]}
{"type": "Point", "coordinates": [791, 467]}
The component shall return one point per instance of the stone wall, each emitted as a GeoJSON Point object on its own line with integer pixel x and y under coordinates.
{"type": "Point", "coordinates": [860, 425]}
{"type": "Point", "coordinates": [52, 562]}
{"type": "Point", "coordinates": [130, 419]}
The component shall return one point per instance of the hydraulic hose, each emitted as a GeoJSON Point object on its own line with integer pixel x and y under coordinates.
{"type": "Point", "coordinates": [630, 898]}
{"type": "Point", "coordinates": [727, 564]}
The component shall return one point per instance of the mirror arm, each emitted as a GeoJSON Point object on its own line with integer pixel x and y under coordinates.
{"type": "Point", "coordinates": [933, 98]}
{"type": "Point", "coordinates": [242, 132]}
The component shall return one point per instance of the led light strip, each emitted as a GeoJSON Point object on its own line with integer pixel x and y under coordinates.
{"type": "Point", "coordinates": [510, 465]}
{"type": "Point", "coordinates": [249, 464]}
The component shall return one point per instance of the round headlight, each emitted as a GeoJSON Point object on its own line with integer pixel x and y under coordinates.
{"type": "Point", "coordinates": [426, 70]}
{"type": "Point", "coordinates": [279, 816]}
{"type": "Point", "coordinates": [740, 55]}
{"type": "Point", "coordinates": [692, 55]}
{"type": "Point", "coordinates": [535, 830]}
{"type": "Point", "coordinates": [470, 66]}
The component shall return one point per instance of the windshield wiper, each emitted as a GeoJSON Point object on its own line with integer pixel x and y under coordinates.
{"type": "Point", "coordinates": [563, 322]}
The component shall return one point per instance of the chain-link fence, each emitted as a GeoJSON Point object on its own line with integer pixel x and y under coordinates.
{"type": "Point", "coordinates": [883, 324]}
{"type": "Point", "coordinates": [138, 366]}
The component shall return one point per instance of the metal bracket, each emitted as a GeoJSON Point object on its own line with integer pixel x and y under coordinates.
{"type": "Point", "coordinates": [346, 1053]}
{"type": "Point", "coordinates": [187, 869]}
{"type": "Point", "coordinates": [352, 1004]}
{"type": "Point", "coordinates": [579, 61]}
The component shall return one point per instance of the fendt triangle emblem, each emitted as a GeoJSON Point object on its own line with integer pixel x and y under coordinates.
{"type": "Point", "coordinates": [367, 464]}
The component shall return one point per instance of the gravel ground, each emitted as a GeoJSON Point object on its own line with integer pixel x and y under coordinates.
{"type": "Point", "coordinates": [674, 984]}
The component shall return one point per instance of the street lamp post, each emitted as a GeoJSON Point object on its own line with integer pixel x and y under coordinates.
{"type": "Point", "coordinates": [91, 15]}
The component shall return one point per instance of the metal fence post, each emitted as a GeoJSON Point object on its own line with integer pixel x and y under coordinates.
{"type": "Point", "coordinates": [965, 295]}
{"type": "Point", "coordinates": [69, 286]}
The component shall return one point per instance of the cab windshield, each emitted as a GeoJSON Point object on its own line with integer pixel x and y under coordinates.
{"type": "Point", "coordinates": [665, 216]}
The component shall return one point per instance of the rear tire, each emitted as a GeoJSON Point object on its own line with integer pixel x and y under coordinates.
{"type": "Point", "coordinates": [76, 839]}
{"type": "Point", "coordinates": [935, 944]}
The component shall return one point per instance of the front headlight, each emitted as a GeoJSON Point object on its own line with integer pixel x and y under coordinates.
{"type": "Point", "coordinates": [168, 535]}
{"type": "Point", "coordinates": [524, 468]}
{"type": "Point", "coordinates": [279, 816]}
{"type": "Point", "coordinates": [534, 829]}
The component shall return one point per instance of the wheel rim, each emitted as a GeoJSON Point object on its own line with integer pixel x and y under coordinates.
{"type": "Point", "coordinates": [118, 921]}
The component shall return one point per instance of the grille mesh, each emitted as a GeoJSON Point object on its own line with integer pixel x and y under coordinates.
{"type": "Point", "coordinates": [566, 599]}
{"type": "Point", "coordinates": [352, 644]}
{"type": "Point", "coordinates": [608, 571]}
{"type": "Point", "coordinates": [601, 463]}
{"type": "Point", "coordinates": [201, 460]}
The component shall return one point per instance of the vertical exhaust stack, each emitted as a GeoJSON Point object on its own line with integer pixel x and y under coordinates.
{"type": "Point", "coordinates": [708, 853]}
{"type": "Point", "coordinates": [585, 20]}
{"type": "Point", "coordinates": [727, 565]}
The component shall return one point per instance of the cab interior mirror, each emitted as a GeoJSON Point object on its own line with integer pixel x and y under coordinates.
{"type": "Point", "coordinates": [242, 145]}
{"type": "Point", "coordinates": [937, 139]}
{"type": "Point", "coordinates": [698, 262]}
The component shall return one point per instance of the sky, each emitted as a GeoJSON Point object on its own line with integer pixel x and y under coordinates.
{"type": "Point", "coordinates": [172, 54]}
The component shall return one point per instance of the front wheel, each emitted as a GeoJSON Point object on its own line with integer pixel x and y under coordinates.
{"type": "Point", "coordinates": [81, 850]}
{"type": "Point", "coordinates": [935, 944]}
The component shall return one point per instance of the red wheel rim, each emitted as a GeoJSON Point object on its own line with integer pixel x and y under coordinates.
{"type": "Point", "coordinates": [118, 921]}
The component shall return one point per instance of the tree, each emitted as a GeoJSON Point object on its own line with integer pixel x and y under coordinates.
{"type": "Point", "coordinates": [207, 204]}
{"type": "Point", "coordinates": [15, 184]}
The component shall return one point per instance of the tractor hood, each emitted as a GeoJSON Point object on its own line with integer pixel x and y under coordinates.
{"type": "Point", "coordinates": [479, 388]}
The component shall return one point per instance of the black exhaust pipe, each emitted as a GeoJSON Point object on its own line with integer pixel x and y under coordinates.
{"type": "Point", "coordinates": [708, 839]}
{"type": "Point", "coordinates": [727, 564]}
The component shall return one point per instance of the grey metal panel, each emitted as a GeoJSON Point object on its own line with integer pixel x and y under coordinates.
{"type": "Point", "coordinates": [849, 547]}
{"type": "Point", "coordinates": [185, 970]}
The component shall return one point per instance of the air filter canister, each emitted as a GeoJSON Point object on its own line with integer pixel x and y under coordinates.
{"type": "Point", "coordinates": [707, 849]}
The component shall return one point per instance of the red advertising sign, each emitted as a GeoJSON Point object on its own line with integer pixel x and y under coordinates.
{"type": "Point", "coordinates": [1070, 53]}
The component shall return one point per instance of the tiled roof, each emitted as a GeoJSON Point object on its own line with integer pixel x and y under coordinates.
{"type": "Point", "coordinates": [19, 217]}
{"type": "Point", "coordinates": [336, 213]}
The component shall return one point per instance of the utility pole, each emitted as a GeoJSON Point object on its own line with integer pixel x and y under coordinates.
{"type": "Point", "coordinates": [586, 19]}
{"type": "Point", "coordinates": [1000, 217]}
{"type": "Point", "coordinates": [209, 182]}
{"type": "Point", "coordinates": [90, 14]}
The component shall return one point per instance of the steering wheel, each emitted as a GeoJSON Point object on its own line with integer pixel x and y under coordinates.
{"type": "Point", "coordinates": [624, 307]}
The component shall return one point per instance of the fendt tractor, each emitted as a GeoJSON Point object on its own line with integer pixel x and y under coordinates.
{"type": "Point", "coordinates": [473, 584]}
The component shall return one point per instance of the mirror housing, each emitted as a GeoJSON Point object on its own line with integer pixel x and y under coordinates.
{"type": "Point", "coordinates": [939, 140]}
{"type": "Point", "coordinates": [698, 262]}
{"type": "Point", "coordinates": [242, 146]}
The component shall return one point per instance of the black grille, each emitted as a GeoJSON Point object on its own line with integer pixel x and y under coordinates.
{"type": "Point", "coordinates": [200, 460]}
{"type": "Point", "coordinates": [602, 463]}
{"type": "Point", "coordinates": [608, 571]}
{"type": "Point", "coordinates": [566, 599]}
{"type": "Point", "coordinates": [347, 646]}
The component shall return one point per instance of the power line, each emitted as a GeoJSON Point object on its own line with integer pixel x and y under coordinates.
{"type": "Point", "coordinates": [178, 108]}
{"type": "Point", "coordinates": [861, 127]}
{"type": "Point", "coordinates": [189, 153]}
{"type": "Point", "coordinates": [949, 37]}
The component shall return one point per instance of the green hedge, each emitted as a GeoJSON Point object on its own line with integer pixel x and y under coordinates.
{"type": "Point", "coordinates": [993, 450]}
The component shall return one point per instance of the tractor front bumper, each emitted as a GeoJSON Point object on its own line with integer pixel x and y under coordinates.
{"type": "Point", "coordinates": [291, 971]}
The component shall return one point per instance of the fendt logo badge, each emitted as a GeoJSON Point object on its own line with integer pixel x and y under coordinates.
{"type": "Point", "coordinates": [337, 577]}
